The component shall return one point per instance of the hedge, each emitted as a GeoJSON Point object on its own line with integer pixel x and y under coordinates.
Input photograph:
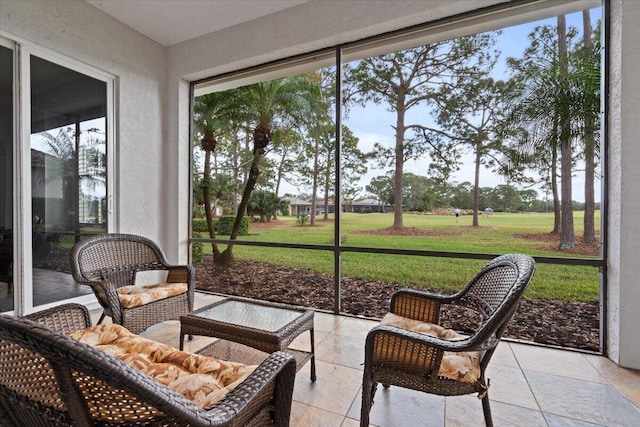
{"type": "Point", "coordinates": [222, 225]}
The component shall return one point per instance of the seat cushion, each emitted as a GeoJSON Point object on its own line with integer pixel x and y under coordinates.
{"type": "Point", "coordinates": [460, 366]}
{"type": "Point", "coordinates": [137, 295]}
{"type": "Point", "coordinates": [204, 380]}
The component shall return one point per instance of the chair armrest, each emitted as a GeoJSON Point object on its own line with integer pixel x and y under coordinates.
{"type": "Point", "coordinates": [270, 384]}
{"type": "Point", "coordinates": [64, 318]}
{"type": "Point", "coordinates": [181, 274]}
{"type": "Point", "coordinates": [184, 274]}
{"type": "Point", "coordinates": [273, 380]}
{"type": "Point", "coordinates": [109, 288]}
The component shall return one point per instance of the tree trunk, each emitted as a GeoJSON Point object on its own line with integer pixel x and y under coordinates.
{"type": "Point", "coordinates": [314, 189]}
{"type": "Point", "coordinates": [261, 138]}
{"type": "Point", "coordinates": [234, 201]}
{"type": "Point", "coordinates": [327, 184]}
{"type": "Point", "coordinates": [397, 181]}
{"type": "Point", "coordinates": [566, 160]}
{"type": "Point", "coordinates": [476, 186]}
{"type": "Point", "coordinates": [206, 196]}
{"type": "Point", "coordinates": [279, 179]}
{"type": "Point", "coordinates": [553, 170]}
{"type": "Point", "coordinates": [589, 236]}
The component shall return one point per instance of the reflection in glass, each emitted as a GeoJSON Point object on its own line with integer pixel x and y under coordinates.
{"type": "Point", "coordinates": [68, 172]}
{"type": "Point", "coordinates": [6, 179]}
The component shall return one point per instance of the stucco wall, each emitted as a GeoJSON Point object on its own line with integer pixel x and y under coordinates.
{"type": "Point", "coordinates": [624, 180]}
{"type": "Point", "coordinates": [80, 31]}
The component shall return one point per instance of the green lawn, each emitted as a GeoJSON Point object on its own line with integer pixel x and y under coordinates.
{"type": "Point", "coordinates": [496, 234]}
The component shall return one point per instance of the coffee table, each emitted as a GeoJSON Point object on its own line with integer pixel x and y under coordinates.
{"type": "Point", "coordinates": [264, 326]}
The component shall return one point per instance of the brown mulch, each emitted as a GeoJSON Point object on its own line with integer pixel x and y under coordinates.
{"type": "Point", "coordinates": [558, 323]}
{"type": "Point", "coordinates": [549, 242]}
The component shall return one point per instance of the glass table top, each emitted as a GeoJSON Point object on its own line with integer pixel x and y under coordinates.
{"type": "Point", "coordinates": [249, 315]}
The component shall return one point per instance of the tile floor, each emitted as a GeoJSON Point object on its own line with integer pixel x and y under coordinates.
{"type": "Point", "coordinates": [530, 385]}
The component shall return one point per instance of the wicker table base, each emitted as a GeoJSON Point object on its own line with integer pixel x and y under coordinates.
{"type": "Point", "coordinates": [263, 326]}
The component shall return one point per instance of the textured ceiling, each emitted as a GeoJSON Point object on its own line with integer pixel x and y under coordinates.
{"type": "Point", "coordinates": [173, 21]}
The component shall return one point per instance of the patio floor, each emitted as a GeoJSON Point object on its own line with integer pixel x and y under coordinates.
{"type": "Point", "coordinates": [531, 386]}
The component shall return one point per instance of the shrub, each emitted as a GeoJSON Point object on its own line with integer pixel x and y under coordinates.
{"type": "Point", "coordinates": [199, 225]}
{"type": "Point", "coordinates": [225, 225]}
{"type": "Point", "coordinates": [197, 252]}
{"type": "Point", "coordinates": [302, 218]}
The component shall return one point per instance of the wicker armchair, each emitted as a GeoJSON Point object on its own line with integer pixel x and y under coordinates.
{"type": "Point", "coordinates": [413, 360]}
{"type": "Point", "coordinates": [109, 261]}
{"type": "Point", "coordinates": [49, 379]}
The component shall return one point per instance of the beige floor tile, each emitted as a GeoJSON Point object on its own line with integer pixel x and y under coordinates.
{"type": "Point", "coordinates": [554, 361]}
{"type": "Point", "coordinates": [513, 415]}
{"type": "Point", "coordinates": [504, 356]}
{"type": "Point", "coordinates": [303, 341]}
{"type": "Point", "coordinates": [353, 327]}
{"type": "Point", "coordinates": [325, 322]}
{"type": "Point", "coordinates": [201, 299]}
{"type": "Point", "coordinates": [626, 381]}
{"type": "Point", "coordinates": [341, 350]}
{"type": "Point", "coordinates": [308, 416]}
{"type": "Point", "coordinates": [464, 411]}
{"type": "Point", "coordinates": [509, 385]}
{"type": "Point", "coordinates": [95, 316]}
{"type": "Point", "coordinates": [582, 400]}
{"type": "Point", "coordinates": [401, 407]}
{"type": "Point", "coordinates": [352, 422]}
{"type": "Point", "coordinates": [334, 391]}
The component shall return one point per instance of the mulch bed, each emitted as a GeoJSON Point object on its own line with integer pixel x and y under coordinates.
{"type": "Point", "coordinates": [558, 323]}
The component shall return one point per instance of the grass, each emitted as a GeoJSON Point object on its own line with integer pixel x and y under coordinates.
{"type": "Point", "coordinates": [497, 234]}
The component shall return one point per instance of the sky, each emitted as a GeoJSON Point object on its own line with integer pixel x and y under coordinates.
{"type": "Point", "coordinates": [373, 123]}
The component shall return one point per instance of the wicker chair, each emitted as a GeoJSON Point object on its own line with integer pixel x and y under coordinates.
{"type": "Point", "coordinates": [49, 379]}
{"type": "Point", "coordinates": [109, 261]}
{"type": "Point", "coordinates": [412, 360]}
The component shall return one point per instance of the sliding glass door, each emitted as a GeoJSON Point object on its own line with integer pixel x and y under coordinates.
{"type": "Point", "coordinates": [55, 186]}
{"type": "Point", "coordinates": [68, 172]}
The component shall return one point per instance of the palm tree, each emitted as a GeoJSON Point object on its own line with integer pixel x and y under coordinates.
{"type": "Point", "coordinates": [543, 113]}
{"type": "Point", "coordinates": [213, 113]}
{"type": "Point", "coordinates": [65, 146]}
{"type": "Point", "coordinates": [264, 103]}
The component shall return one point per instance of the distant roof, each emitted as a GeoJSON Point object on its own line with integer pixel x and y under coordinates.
{"type": "Point", "coordinates": [296, 201]}
{"type": "Point", "coordinates": [38, 158]}
{"type": "Point", "coordinates": [367, 202]}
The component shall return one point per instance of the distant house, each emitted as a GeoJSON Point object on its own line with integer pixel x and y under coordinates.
{"type": "Point", "coordinates": [370, 205]}
{"type": "Point", "coordinates": [298, 206]}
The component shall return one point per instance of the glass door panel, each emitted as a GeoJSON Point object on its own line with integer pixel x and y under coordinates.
{"type": "Point", "coordinates": [68, 173]}
{"type": "Point", "coordinates": [6, 178]}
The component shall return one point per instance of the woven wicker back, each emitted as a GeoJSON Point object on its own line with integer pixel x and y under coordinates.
{"type": "Point", "coordinates": [497, 289]}
{"type": "Point", "coordinates": [28, 388]}
{"type": "Point", "coordinates": [496, 280]}
{"type": "Point", "coordinates": [100, 256]}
